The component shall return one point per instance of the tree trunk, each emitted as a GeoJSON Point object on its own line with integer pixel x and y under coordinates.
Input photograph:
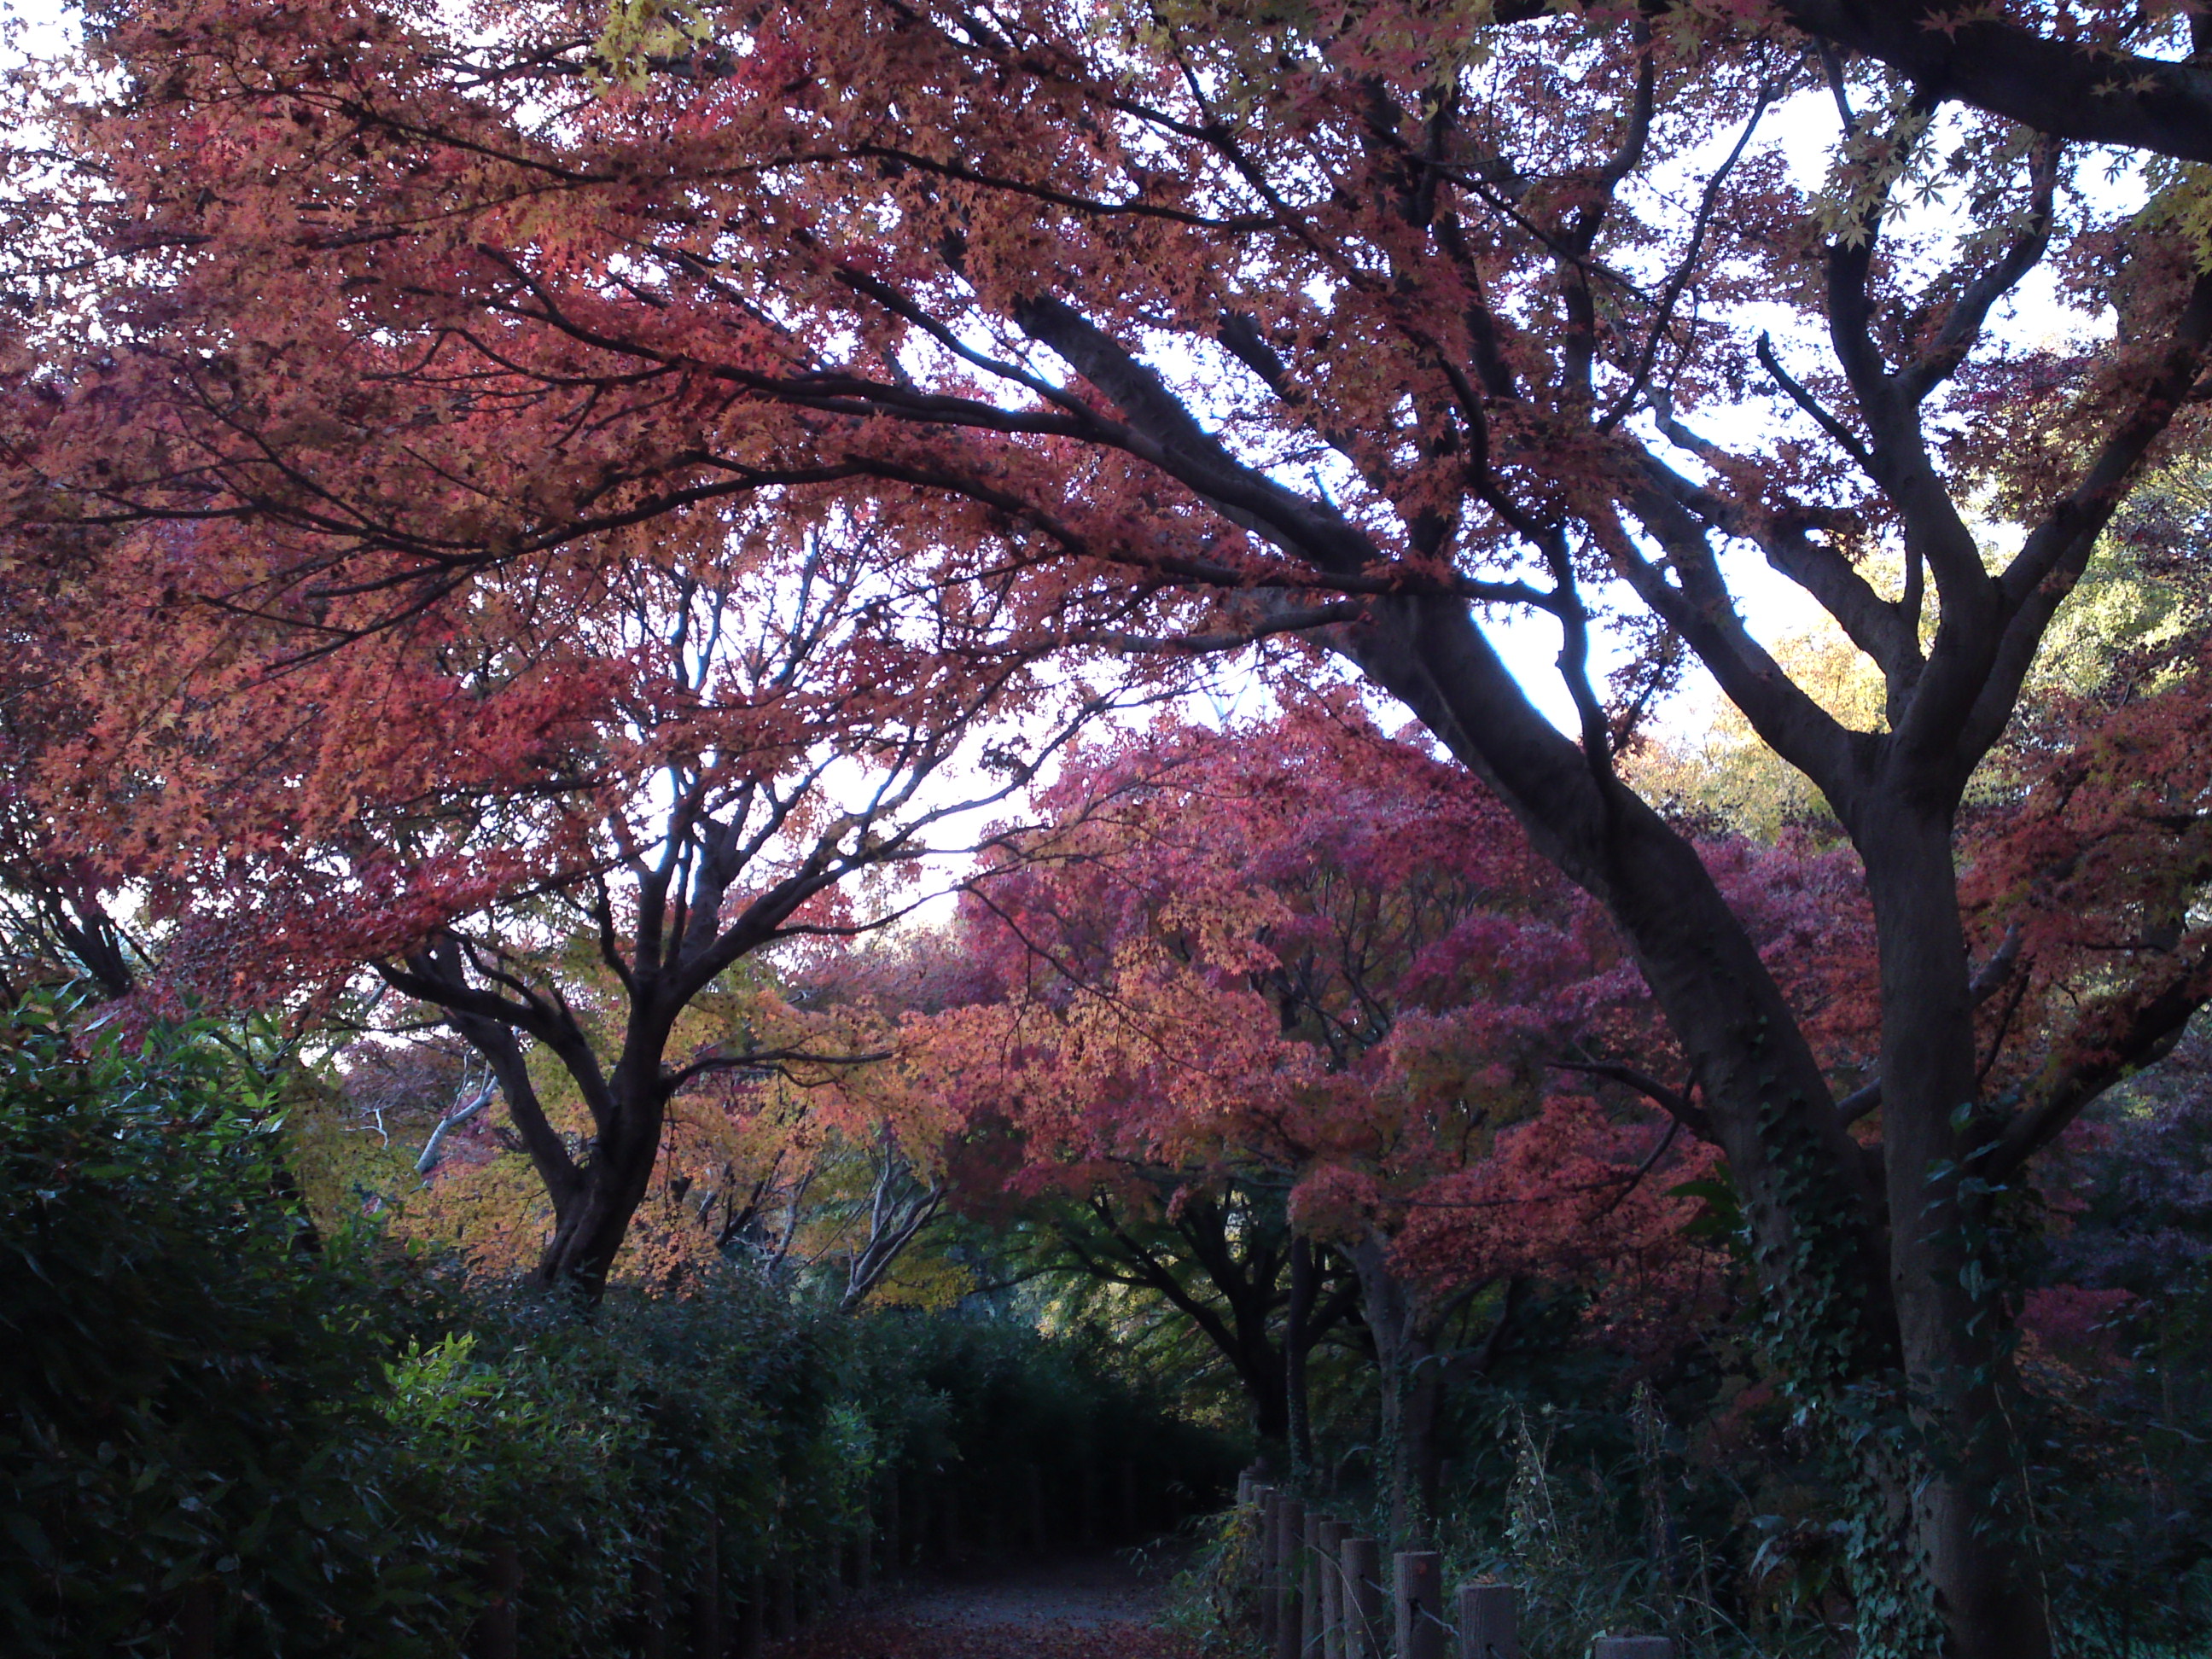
{"type": "Point", "coordinates": [1271, 1415]}
{"type": "Point", "coordinates": [1419, 1431]}
{"type": "Point", "coordinates": [1850, 1304]}
{"type": "Point", "coordinates": [613, 1177]}
{"type": "Point", "coordinates": [595, 1193]}
{"type": "Point", "coordinates": [1244, 1266]}
{"type": "Point", "coordinates": [1405, 1338]}
{"type": "Point", "coordinates": [1964, 1512]}
{"type": "Point", "coordinates": [1805, 1186]}
{"type": "Point", "coordinates": [1298, 1315]}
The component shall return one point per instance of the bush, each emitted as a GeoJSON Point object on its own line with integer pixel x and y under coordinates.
{"type": "Point", "coordinates": [996, 1416]}
{"type": "Point", "coordinates": [598, 1447]}
{"type": "Point", "coordinates": [202, 1404]}
{"type": "Point", "coordinates": [184, 1380]}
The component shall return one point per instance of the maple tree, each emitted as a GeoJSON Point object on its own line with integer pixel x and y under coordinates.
{"type": "Point", "coordinates": [556, 813]}
{"type": "Point", "coordinates": [1377, 325]}
{"type": "Point", "coordinates": [1215, 1248]}
{"type": "Point", "coordinates": [1296, 972]}
{"type": "Point", "coordinates": [58, 917]}
{"type": "Point", "coordinates": [809, 1186]}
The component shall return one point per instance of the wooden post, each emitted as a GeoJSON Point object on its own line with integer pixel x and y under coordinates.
{"type": "Point", "coordinates": [1418, 1593]}
{"type": "Point", "coordinates": [785, 1581]}
{"type": "Point", "coordinates": [1363, 1598]}
{"type": "Point", "coordinates": [893, 1561]}
{"type": "Point", "coordinates": [1633, 1647]}
{"type": "Point", "coordinates": [752, 1623]}
{"type": "Point", "coordinates": [1131, 1526]}
{"type": "Point", "coordinates": [497, 1637]}
{"type": "Point", "coordinates": [652, 1599]}
{"type": "Point", "coordinates": [1332, 1589]}
{"type": "Point", "coordinates": [1489, 1625]}
{"type": "Point", "coordinates": [706, 1593]}
{"type": "Point", "coordinates": [198, 1607]}
{"type": "Point", "coordinates": [1289, 1630]}
{"type": "Point", "coordinates": [1263, 1521]}
{"type": "Point", "coordinates": [1040, 1534]}
{"type": "Point", "coordinates": [1271, 1550]}
{"type": "Point", "coordinates": [863, 1555]}
{"type": "Point", "coordinates": [1309, 1576]}
{"type": "Point", "coordinates": [1271, 1562]}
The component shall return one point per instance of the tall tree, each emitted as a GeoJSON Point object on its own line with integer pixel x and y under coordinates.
{"type": "Point", "coordinates": [556, 810]}
{"type": "Point", "coordinates": [1359, 327]}
{"type": "Point", "coordinates": [1298, 964]}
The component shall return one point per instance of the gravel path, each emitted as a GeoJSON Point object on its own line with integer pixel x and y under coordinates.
{"type": "Point", "coordinates": [1093, 1607]}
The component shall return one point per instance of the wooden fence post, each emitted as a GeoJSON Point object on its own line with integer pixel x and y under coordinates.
{"type": "Point", "coordinates": [1633, 1647]}
{"type": "Point", "coordinates": [1418, 1580]}
{"type": "Point", "coordinates": [1363, 1598]}
{"type": "Point", "coordinates": [652, 1599]}
{"type": "Point", "coordinates": [1309, 1576]}
{"type": "Point", "coordinates": [200, 1607]}
{"type": "Point", "coordinates": [1040, 1531]}
{"type": "Point", "coordinates": [1332, 1589]}
{"type": "Point", "coordinates": [785, 1580]}
{"type": "Point", "coordinates": [752, 1623]}
{"type": "Point", "coordinates": [1271, 1553]}
{"type": "Point", "coordinates": [1290, 1567]}
{"type": "Point", "coordinates": [706, 1593]}
{"type": "Point", "coordinates": [1489, 1625]}
{"type": "Point", "coordinates": [496, 1634]}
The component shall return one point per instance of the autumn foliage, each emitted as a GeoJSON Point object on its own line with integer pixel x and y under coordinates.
{"type": "Point", "coordinates": [555, 509]}
{"type": "Point", "coordinates": [1297, 947]}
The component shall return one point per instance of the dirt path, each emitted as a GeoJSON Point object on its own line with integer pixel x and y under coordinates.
{"type": "Point", "coordinates": [1092, 1606]}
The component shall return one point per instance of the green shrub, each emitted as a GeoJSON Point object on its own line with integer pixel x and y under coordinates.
{"type": "Point", "coordinates": [321, 1439]}
{"type": "Point", "coordinates": [988, 1409]}
{"type": "Point", "coordinates": [186, 1381]}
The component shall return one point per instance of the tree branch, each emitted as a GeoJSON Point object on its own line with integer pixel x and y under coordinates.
{"type": "Point", "coordinates": [1673, 1102]}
